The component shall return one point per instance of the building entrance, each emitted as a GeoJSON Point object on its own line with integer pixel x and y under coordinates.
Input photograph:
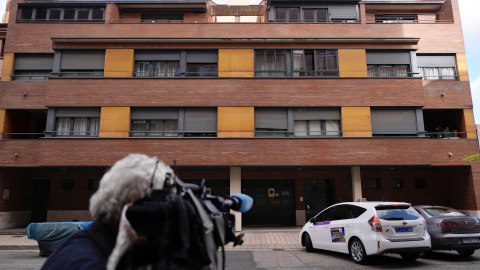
{"type": "Point", "coordinates": [319, 194]}
{"type": "Point", "coordinates": [273, 202]}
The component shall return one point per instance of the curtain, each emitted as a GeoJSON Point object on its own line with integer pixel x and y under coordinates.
{"type": "Point", "coordinates": [94, 126]}
{"type": "Point", "coordinates": [63, 126]}
{"type": "Point", "coordinates": [401, 71]}
{"type": "Point", "coordinates": [332, 128]}
{"type": "Point", "coordinates": [156, 128]}
{"type": "Point", "coordinates": [429, 73]}
{"type": "Point", "coordinates": [315, 127]}
{"type": "Point", "coordinates": [448, 73]}
{"type": "Point", "coordinates": [300, 128]}
{"type": "Point", "coordinates": [171, 128]}
{"type": "Point", "coordinates": [268, 61]}
{"type": "Point", "coordinates": [139, 125]}
{"type": "Point", "coordinates": [141, 69]}
{"type": "Point", "coordinates": [385, 71]}
{"type": "Point", "coordinates": [80, 126]}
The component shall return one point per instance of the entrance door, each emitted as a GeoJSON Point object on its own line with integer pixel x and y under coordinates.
{"type": "Point", "coordinates": [319, 194]}
{"type": "Point", "coordinates": [41, 193]}
{"type": "Point", "coordinates": [273, 202]}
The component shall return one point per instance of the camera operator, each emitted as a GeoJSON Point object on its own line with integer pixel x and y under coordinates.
{"type": "Point", "coordinates": [129, 179]}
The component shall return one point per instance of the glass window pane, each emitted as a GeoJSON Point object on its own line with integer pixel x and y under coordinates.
{"type": "Point", "coordinates": [55, 14]}
{"type": "Point", "coordinates": [63, 126]}
{"type": "Point", "coordinates": [332, 60]}
{"type": "Point", "coordinates": [322, 15]}
{"type": "Point", "coordinates": [26, 14]}
{"type": "Point", "coordinates": [321, 60]}
{"type": "Point", "coordinates": [141, 69]}
{"type": "Point", "coordinates": [315, 128]}
{"type": "Point", "coordinates": [156, 128]}
{"type": "Point", "coordinates": [385, 71]}
{"type": "Point", "coordinates": [69, 14]}
{"type": "Point", "coordinates": [372, 71]}
{"type": "Point", "coordinates": [80, 126]}
{"type": "Point", "coordinates": [298, 62]}
{"type": "Point", "coordinates": [94, 126]}
{"type": "Point", "coordinates": [294, 15]}
{"type": "Point", "coordinates": [172, 69]}
{"type": "Point", "coordinates": [300, 128]}
{"type": "Point", "coordinates": [309, 63]}
{"type": "Point", "coordinates": [97, 14]}
{"type": "Point", "coordinates": [281, 14]}
{"type": "Point", "coordinates": [401, 71]}
{"type": "Point", "coordinates": [41, 14]}
{"type": "Point", "coordinates": [171, 126]}
{"type": "Point", "coordinates": [332, 127]}
{"type": "Point", "coordinates": [82, 14]}
{"type": "Point", "coordinates": [309, 15]}
{"type": "Point", "coordinates": [139, 125]}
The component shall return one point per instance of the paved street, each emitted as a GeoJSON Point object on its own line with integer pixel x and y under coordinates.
{"type": "Point", "coordinates": [284, 259]}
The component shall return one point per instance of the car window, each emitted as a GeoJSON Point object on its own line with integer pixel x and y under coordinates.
{"type": "Point", "coordinates": [357, 211]}
{"type": "Point", "coordinates": [397, 213]}
{"type": "Point", "coordinates": [326, 215]}
{"type": "Point", "coordinates": [342, 212]}
{"type": "Point", "coordinates": [443, 212]}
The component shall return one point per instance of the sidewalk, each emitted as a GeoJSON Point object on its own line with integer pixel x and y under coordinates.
{"type": "Point", "coordinates": [255, 238]}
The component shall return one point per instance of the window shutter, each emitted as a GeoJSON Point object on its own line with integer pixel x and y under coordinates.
{"type": "Point", "coordinates": [34, 61]}
{"type": "Point", "coordinates": [436, 60]}
{"type": "Point", "coordinates": [388, 58]}
{"type": "Point", "coordinates": [83, 59]}
{"type": "Point", "coordinates": [77, 112]}
{"type": "Point", "coordinates": [157, 55]}
{"type": "Point", "coordinates": [316, 114]}
{"type": "Point", "coordinates": [338, 12]}
{"type": "Point", "coordinates": [202, 56]}
{"type": "Point", "coordinates": [394, 121]}
{"type": "Point", "coordinates": [200, 119]}
{"type": "Point", "coordinates": [154, 113]}
{"type": "Point", "coordinates": [274, 118]}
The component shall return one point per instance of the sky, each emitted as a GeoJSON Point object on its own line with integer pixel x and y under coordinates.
{"type": "Point", "coordinates": [471, 31]}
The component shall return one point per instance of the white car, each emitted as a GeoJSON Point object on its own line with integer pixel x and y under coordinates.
{"type": "Point", "coordinates": [362, 229]}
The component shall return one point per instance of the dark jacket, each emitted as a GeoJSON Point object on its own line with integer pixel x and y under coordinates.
{"type": "Point", "coordinates": [86, 249]}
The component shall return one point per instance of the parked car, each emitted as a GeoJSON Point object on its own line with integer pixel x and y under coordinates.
{"type": "Point", "coordinates": [362, 229]}
{"type": "Point", "coordinates": [450, 229]}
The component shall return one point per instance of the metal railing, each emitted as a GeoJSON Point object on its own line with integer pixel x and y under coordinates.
{"type": "Point", "coordinates": [155, 21]}
{"type": "Point", "coordinates": [386, 21]}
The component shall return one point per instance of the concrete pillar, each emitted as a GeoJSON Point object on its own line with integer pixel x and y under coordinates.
{"type": "Point", "coordinates": [356, 183]}
{"type": "Point", "coordinates": [236, 187]}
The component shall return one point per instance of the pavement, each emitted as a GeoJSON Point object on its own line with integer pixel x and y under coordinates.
{"type": "Point", "coordinates": [272, 238]}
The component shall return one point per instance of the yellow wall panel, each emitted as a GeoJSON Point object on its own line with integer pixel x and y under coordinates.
{"type": "Point", "coordinates": [469, 123]}
{"type": "Point", "coordinates": [235, 63]}
{"type": "Point", "coordinates": [356, 122]}
{"type": "Point", "coordinates": [2, 122]}
{"type": "Point", "coordinates": [462, 67]}
{"type": "Point", "coordinates": [119, 63]}
{"type": "Point", "coordinates": [114, 122]}
{"type": "Point", "coordinates": [7, 68]}
{"type": "Point", "coordinates": [236, 122]}
{"type": "Point", "coordinates": [352, 62]}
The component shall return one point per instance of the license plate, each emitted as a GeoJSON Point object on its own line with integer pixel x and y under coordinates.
{"type": "Point", "coordinates": [470, 240]}
{"type": "Point", "coordinates": [404, 229]}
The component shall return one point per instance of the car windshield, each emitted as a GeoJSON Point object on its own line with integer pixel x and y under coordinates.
{"type": "Point", "coordinates": [397, 213]}
{"type": "Point", "coordinates": [443, 212]}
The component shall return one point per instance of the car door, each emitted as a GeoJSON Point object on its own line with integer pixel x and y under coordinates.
{"type": "Point", "coordinates": [320, 232]}
{"type": "Point", "coordinates": [340, 228]}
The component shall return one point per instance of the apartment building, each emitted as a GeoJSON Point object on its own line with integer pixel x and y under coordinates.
{"type": "Point", "coordinates": [299, 104]}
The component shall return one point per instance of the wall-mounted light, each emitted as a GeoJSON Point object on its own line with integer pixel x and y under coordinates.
{"type": "Point", "coordinates": [16, 154]}
{"type": "Point", "coordinates": [450, 154]}
{"type": "Point", "coordinates": [442, 94]}
{"type": "Point", "coordinates": [24, 94]}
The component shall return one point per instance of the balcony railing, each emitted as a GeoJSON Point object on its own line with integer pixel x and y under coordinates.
{"type": "Point", "coordinates": [408, 21]}
{"type": "Point", "coordinates": [159, 21]}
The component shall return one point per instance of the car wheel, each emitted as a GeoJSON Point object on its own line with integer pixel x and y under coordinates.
{"type": "Point", "coordinates": [410, 256]}
{"type": "Point", "coordinates": [357, 251]}
{"type": "Point", "coordinates": [466, 253]}
{"type": "Point", "coordinates": [308, 243]}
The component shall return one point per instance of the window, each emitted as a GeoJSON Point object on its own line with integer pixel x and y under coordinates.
{"type": "Point", "coordinates": [308, 63]}
{"type": "Point", "coordinates": [420, 183]}
{"type": "Point", "coordinates": [77, 122]}
{"type": "Point", "coordinates": [68, 184]}
{"type": "Point", "coordinates": [394, 121]}
{"type": "Point", "coordinates": [202, 63]}
{"type": "Point", "coordinates": [374, 183]}
{"type": "Point", "coordinates": [437, 67]}
{"type": "Point", "coordinates": [154, 122]}
{"type": "Point", "coordinates": [388, 63]}
{"type": "Point", "coordinates": [270, 63]}
{"type": "Point", "coordinates": [270, 122]}
{"type": "Point", "coordinates": [93, 184]}
{"type": "Point", "coordinates": [162, 17]}
{"type": "Point", "coordinates": [357, 211]}
{"type": "Point", "coordinates": [82, 63]}
{"type": "Point", "coordinates": [309, 122]}
{"type": "Point", "coordinates": [388, 71]}
{"type": "Point", "coordinates": [200, 122]}
{"type": "Point", "coordinates": [392, 212]}
{"type": "Point", "coordinates": [202, 70]}
{"type": "Point", "coordinates": [88, 14]}
{"type": "Point", "coordinates": [343, 212]}
{"type": "Point", "coordinates": [326, 215]}
{"type": "Point", "coordinates": [32, 66]}
{"type": "Point", "coordinates": [394, 18]}
{"type": "Point", "coordinates": [309, 13]}
{"type": "Point", "coordinates": [397, 183]}
{"type": "Point", "coordinates": [157, 69]}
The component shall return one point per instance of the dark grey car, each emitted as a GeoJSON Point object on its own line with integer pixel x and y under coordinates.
{"type": "Point", "coordinates": [450, 229]}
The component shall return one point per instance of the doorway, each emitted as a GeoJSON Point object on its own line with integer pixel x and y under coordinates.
{"type": "Point", "coordinates": [41, 195]}
{"type": "Point", "coordinates": [319, 194]}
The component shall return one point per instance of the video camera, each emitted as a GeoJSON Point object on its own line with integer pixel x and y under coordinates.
{"type": "Point", "coordinates": [182, 227]}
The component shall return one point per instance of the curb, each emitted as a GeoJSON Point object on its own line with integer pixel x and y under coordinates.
{"type": "Point", "coordinates": [23, 247]}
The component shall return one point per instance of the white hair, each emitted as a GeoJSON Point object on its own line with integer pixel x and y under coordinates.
{"type": "Point", "coordinates": [127, 180]}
